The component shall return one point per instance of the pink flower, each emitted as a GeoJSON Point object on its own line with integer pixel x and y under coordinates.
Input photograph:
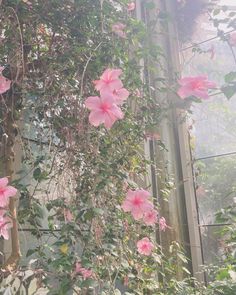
{"type": "Point", "coordinates": [6, 192]}
{"type": "Point", "coordinates": [145, 246]}
{"type": "Point", "coordinates": [78, 267]}
{"type": "Point", "coordinates": [5, 224]}
{"type": "Point", "coordinates": [150, 217]}
{"type": "Point", "coordinates": [137, 203]}
{"type": "Point", "coordinates": [162, 224]}
{"type": "Point", "coordinates": [131, 6]}
{"type": "Point", "coordinates": [103, 110]}
{"type": "Point", "coordinates": [232, 39]}
{"type": "Point", "coordinates": [4, 82]}
{"type": "Point", "coordinates": [118, 29]}
{"type": "Point", "coordinates": [109, 81]}
{"type": "Point", "coordinates": [68, 215]}
{"type": "Point", "coordinates": [86, 273]}
{"type": "Point", "coordinates": [119, 95]}
{"type": "Point", "coordinates": [197, 86]}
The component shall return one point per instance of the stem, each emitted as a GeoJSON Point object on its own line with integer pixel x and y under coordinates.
{"type": "Point", "coordinates": [8, 154]}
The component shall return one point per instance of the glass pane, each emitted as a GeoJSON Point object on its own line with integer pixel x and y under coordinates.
{"type": "Point", "coordinates": [216, 186]}
{"type": "Point", "coordinates": [213, 130]}
{"type": "Point", "coordinates": [212, 244]}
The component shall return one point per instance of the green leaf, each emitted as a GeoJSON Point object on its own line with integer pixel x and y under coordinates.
{"type": "Point", "coordinates": [30, 252]}
{"type": "Point", "coordinates": [37, 173]}
{"type": "Point", "coordinates": [223, 274]}
{"type": "Point", "coordinates": [230, 77]}
{"type": "Point", "coordinates": [40, 175]}
{"type": "Point", "coordinates": [229, 90]}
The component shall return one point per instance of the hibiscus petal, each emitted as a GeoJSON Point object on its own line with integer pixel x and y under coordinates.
{"type": "Point", "coordinates": [106, 74]}
{"type": "Point", "coordinates": [116, 112]}
{"type": "Point", "coordinates": [126, 206]}
{"type": "Point", "coordinates": [107, 97]}
{"type": "Point", "coordinates": [123, 93]}
{"type": "Point", "coordinates": [144, 194]}
{"type": "Point", "coordinates": [137, 213]}
{"type": "Point", "coordinates": [115, 84]}
{"type": "Point", "coordinates": [10, 191]}
{"type": "Point", "coordinates": [3, 182]}
{"type": "Point", "coordinates": [184, 92]}
{"type": "Point", "coordinates": [93, 103]}
{"type": "Point", "coordinates": [4, 84]}
{"type": "Point", "coordinates": [109, 120]}
{"type": "Point", "coordinates": [3, 200]}
{"type": "Point", "coordinates": [96, 118]}
{"type": "Point", "coordinates": [211, 84]}
{"type": "Point", "coordinates": [4, 233]}
{"type": "Point", "coordinates": [115, 73]}
{"type": "Point", "coordinates": [201, 94]}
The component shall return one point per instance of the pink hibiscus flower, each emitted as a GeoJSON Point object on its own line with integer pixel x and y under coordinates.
{"type": "Point", "coordinates": [4, 82]}
{"type": "Point", "coordinates": [103, 110]}
{"type": "Point", "coordinates": [162, 224]}
{"type": "Point", "coordinates": [109, 81]}
{"type": "Point", "coordinates": [5, 224]}
{"type": "Point", "coordinates": [145, 246]}
{"type": "Point", "coordinates": [137, 203]}
{"type": "Point", "coordinates": [119, 95]}
{"type": "Point", "coordinates": [150, 217]}
{"type": "Point", "coordinates": [197, 86]}
{"type": "Point", "coordinates": [118, 29]}
{"type": "Point", "coordinates": [131, 6]}
{"type": "Point", "coordinates": [6, 192]}
{"type": "Point", "coordinates": [232, 39]}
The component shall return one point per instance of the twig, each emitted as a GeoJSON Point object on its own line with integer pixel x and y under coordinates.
{"type": "Point", "coordinates": [85, 68]}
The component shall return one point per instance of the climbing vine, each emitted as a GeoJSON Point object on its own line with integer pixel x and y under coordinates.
{"type": "Point", "coordinates": [76, 98]}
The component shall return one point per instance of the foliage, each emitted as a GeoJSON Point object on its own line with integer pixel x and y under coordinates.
{"type": "Point", "coordinates": [74, 177]}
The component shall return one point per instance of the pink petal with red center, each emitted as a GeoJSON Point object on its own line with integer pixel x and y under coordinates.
{"type": "Point", "coordinates": [150, 217]}
{"type": "Point", "coordinates": [145, 246]}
